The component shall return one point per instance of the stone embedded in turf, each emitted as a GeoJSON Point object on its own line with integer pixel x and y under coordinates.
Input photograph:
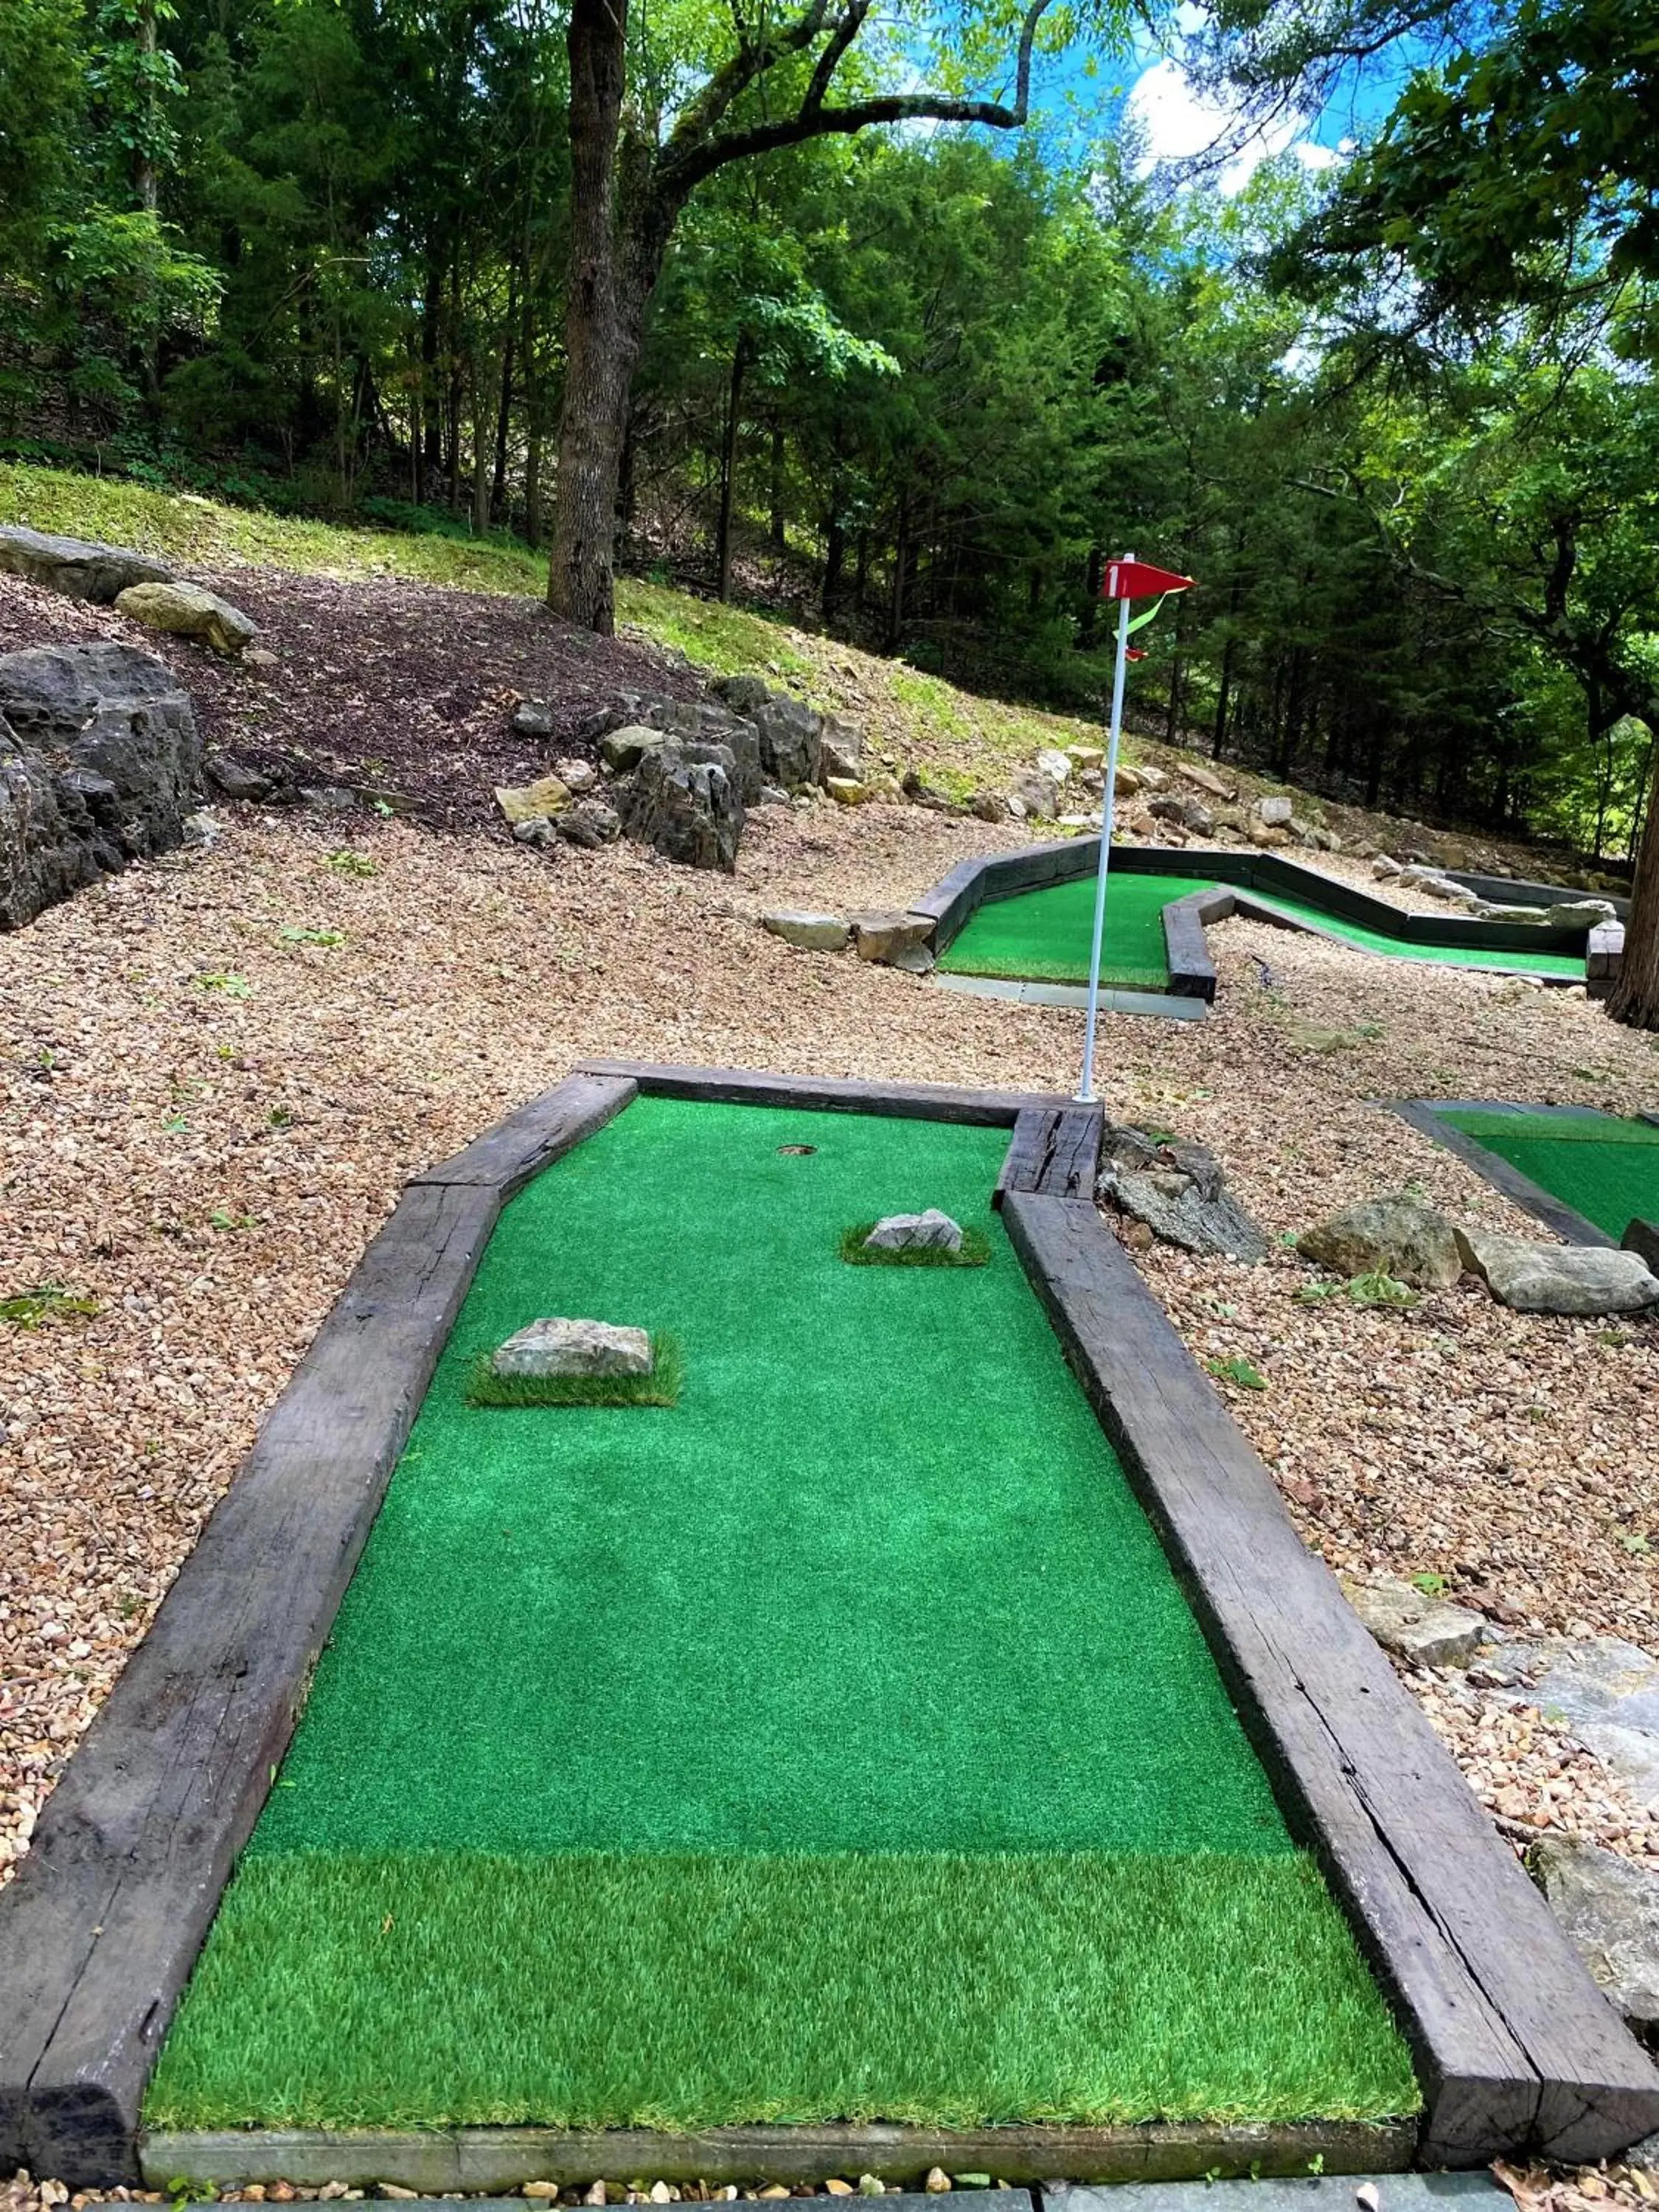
{"type": "Point", "coordinates": [554, 1346]}
{"type": "Point", "coordinates": [931, 1231]}
{"type": "Point", "coordinates": [1558, 1278]}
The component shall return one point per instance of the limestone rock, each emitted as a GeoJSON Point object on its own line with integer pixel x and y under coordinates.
{"type": "Point", "coordinates": [590, 822]}
{"type": "Point", "coordinates": [930, 1231]}
{"type": "Point", "coordinates": [684, 800]}
{"type": "Point", "coordinates": [1190, 813]}
{"type": "Point", "coordinates": [1610, 1907]}
{"type": "Point", "coordinates": [1151, 779]}
{"type": "Point", "coordinates": [1037, 794]}
{"type": "Point", "coordinates": [539, 831]}
{"type": "Point", "coordinates": [1267, 835]}
{"type": "Point", "coordinates": [100, 764]}
{"type": "Point", "coordinates": [532, 718]}
{"type": "Point", "coordinates": [772, 794]}
{"type": "Point", "coordinates": [836, 765]}
{"type": "Point", "coordinates": [186, 611]}
{"type": "Point", "coordinates": [791, 739]}
{"type": "Point", "coordinates": [1385, 866]}
{"type": "Point", "coordinates": [1128, 782]}
{"type": "Point", "coordinates": [1531, 1277]}
{"type": "Point", "coordinates": [532, 802]}
{"type": "Point", "coordinates": [1424, 1629]}
{"type": "Point", "coordinates": [557, 1347]}
{"type": "Point", "coordinates": [624, 749]}
{"type": "Point", "coordinates": [79, 568]}
{"type": "Point", "coordinates": [1404, 1234]}
{"type": "Point", "coordinates": [1206, 782]}
{"type": "Point", "coordinates": [578, 776]}
{"type": "Point", "coordinates": [847, 790]}
{"type": "Point", "coordinates": [1603, 1691]}
{"type": "Point", "coordinates": [988, 806]}
{"type": "Point", "coordinates": [882, 934]}
{"type": "Point", "coordinates": [813, 933]}
{"type": "Point", "coordinates": [1178, 1191]}
{"type": "Point", "coordinates": [1581, 914]}
{"type": "Point", "coordinates": [1087, 757]}
{"type": "Point", "coordinates": [235, 778]}
{"type": "Point", "coordinates": [1054, 764]}
{"type": "Point", "coordinates": [1274, 811]}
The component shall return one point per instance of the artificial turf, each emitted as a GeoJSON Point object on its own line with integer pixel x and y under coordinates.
{"type": "Point", "coordinates": [875, 1590]}
{"type": "Point", "coordinates": [1604, 1168]}
{"type": "Point", "coordinates": [1044, 936]}
{"type": "Point", "coordinates": [699, 1991]}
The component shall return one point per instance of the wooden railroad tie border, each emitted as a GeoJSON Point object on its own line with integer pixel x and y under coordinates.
{"type": "Point", "coordinates": [1426, 1116]}
{"type": "Point", "coordinates": [1239, 871]}
{"type": "Point", "coordinates": [1516, 2049]}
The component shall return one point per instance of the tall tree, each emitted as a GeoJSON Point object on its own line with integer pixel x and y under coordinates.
{"type": "Point", "coordinates": [626, 192]}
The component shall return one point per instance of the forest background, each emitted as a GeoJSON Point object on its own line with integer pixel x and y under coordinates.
{"type": "Point", "coordinates": [1395, 412]}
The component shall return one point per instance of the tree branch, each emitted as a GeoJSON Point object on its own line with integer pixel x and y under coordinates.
{"type": "Point", "coordinates": [685, 161]}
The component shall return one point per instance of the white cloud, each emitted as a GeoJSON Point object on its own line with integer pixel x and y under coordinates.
{"type": "Point", "coordinates": [1174, 121]}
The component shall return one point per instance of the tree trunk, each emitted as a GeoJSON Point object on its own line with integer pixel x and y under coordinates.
{"type": "Point", "coordinates": [776, 489]}
{"type": "Point", "coordinates": [1221, 703]}
{"type": "Point", "coordinates": [482, 428]}
{"type": "Point", "coordinates": [729, 468]}
{"type": "Point", "coordinates": [600, 346]}
{"type": "Point", "coordinates": [1635, 997]}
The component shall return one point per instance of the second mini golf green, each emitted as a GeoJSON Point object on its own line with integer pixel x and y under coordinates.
{"type": "Point", "coordinates": [1044, 936]}
{"type": "Point", "coordinates": [834, 1744]}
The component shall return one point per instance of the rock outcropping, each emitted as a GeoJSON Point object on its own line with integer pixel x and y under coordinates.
{"type": "Point", "coordinates": [79, 568]}
{"type": "Point", "coordinates": [100, 764]}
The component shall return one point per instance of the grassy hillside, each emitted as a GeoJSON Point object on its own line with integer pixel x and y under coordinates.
{"type": "Point", "coordinates": [960, 740]}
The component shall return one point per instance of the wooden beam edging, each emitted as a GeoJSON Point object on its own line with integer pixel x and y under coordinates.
{"type": "Point", "coordinates": [454, 2160]}
{"type": "Point", "coordinates": [822, 1094]}
{"type": "Point", "coordinates": [1186, 947]}
{"type": "Point", "coordinates": [1516, 2048]}
{"type": "Point", "coordinates": [101, 1927]}
{"type": "Point", "coordinates": [1056, 1150]}
{"type": "Point", "coordinates": [1425, 1116]}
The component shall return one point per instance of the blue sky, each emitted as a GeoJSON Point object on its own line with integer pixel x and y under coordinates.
{"type": "Point", "coordinates": [1152, 91]}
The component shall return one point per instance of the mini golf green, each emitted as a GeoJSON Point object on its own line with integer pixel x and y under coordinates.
{"type": "Point", "coordinates": [1044, 935]}
{"type": "Point", "coordinates": [836, 1744]}
{"type": "Point", "coordinates": [1604, 1168]}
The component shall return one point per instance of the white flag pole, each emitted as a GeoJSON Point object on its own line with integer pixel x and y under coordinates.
{"type": "Point", "coordinates": [1108, 799]}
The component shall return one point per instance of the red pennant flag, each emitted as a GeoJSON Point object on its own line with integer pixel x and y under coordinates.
{"type": "Point", "coordinates": [1138, 580]}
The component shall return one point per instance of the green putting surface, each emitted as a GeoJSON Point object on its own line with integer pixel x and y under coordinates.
{"type": "Point", "coordinates": [1044, 936]}
{"type": "Point", "coordinates": [693, 1758]}
{"type": "Point", "coordinates": [1606, 1168]}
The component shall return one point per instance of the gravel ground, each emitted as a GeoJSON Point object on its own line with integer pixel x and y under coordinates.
{"type": "Point", "coordinates": [204, 1116]}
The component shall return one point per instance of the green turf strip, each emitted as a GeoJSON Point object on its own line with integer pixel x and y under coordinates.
{"type": "Point", "coordinates": [876, 1585]}
{"type": "Point", "coordinates": [700, 1992]}
{"type": "Point", "coordinates": [1044, 936]}
{"type": "Point", "coordinates": [1606, 1168]}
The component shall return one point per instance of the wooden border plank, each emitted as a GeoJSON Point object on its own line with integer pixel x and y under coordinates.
{"type": "Point", "coordinates": [457, 2159]}
{"type": "Point", "coordinates": [914, 1101]}
{"type": "Point", "coordinates": [1514, 2044]}
{"type": "Point", "coordinates": [1055, 1150]}
{"type": "Point", "coordinates": [1187, 948]}
{"type": "Point", "coordinates": [516, 1150]}
{"type": "Point", "coordinates": [1424, 1115]}
{"type": "Point", "coordinates": [101, 1924]}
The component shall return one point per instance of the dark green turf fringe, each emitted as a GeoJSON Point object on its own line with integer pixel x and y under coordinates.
{"type": "Point", "coordinates": [1603, 1167]}
{"type": "Point", "coordinates": [707, 1992]}
{"type": "Point", "coordinates": [661, 1386]}
{"type": "Point", "coordinates": [972, 1252]}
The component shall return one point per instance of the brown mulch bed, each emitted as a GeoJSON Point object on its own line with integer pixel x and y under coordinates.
{"type": "Point", "coordinates": [406, 689]}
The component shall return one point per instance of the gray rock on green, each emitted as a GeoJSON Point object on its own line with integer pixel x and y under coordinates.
{"type": "Point", "coordinates": [554, 1346]}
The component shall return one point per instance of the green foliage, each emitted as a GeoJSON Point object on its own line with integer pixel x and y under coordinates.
{"type": "Point", "coordinates": [1238, 1370]}
{"type": "Point", "coordinates": [48, 1301]}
